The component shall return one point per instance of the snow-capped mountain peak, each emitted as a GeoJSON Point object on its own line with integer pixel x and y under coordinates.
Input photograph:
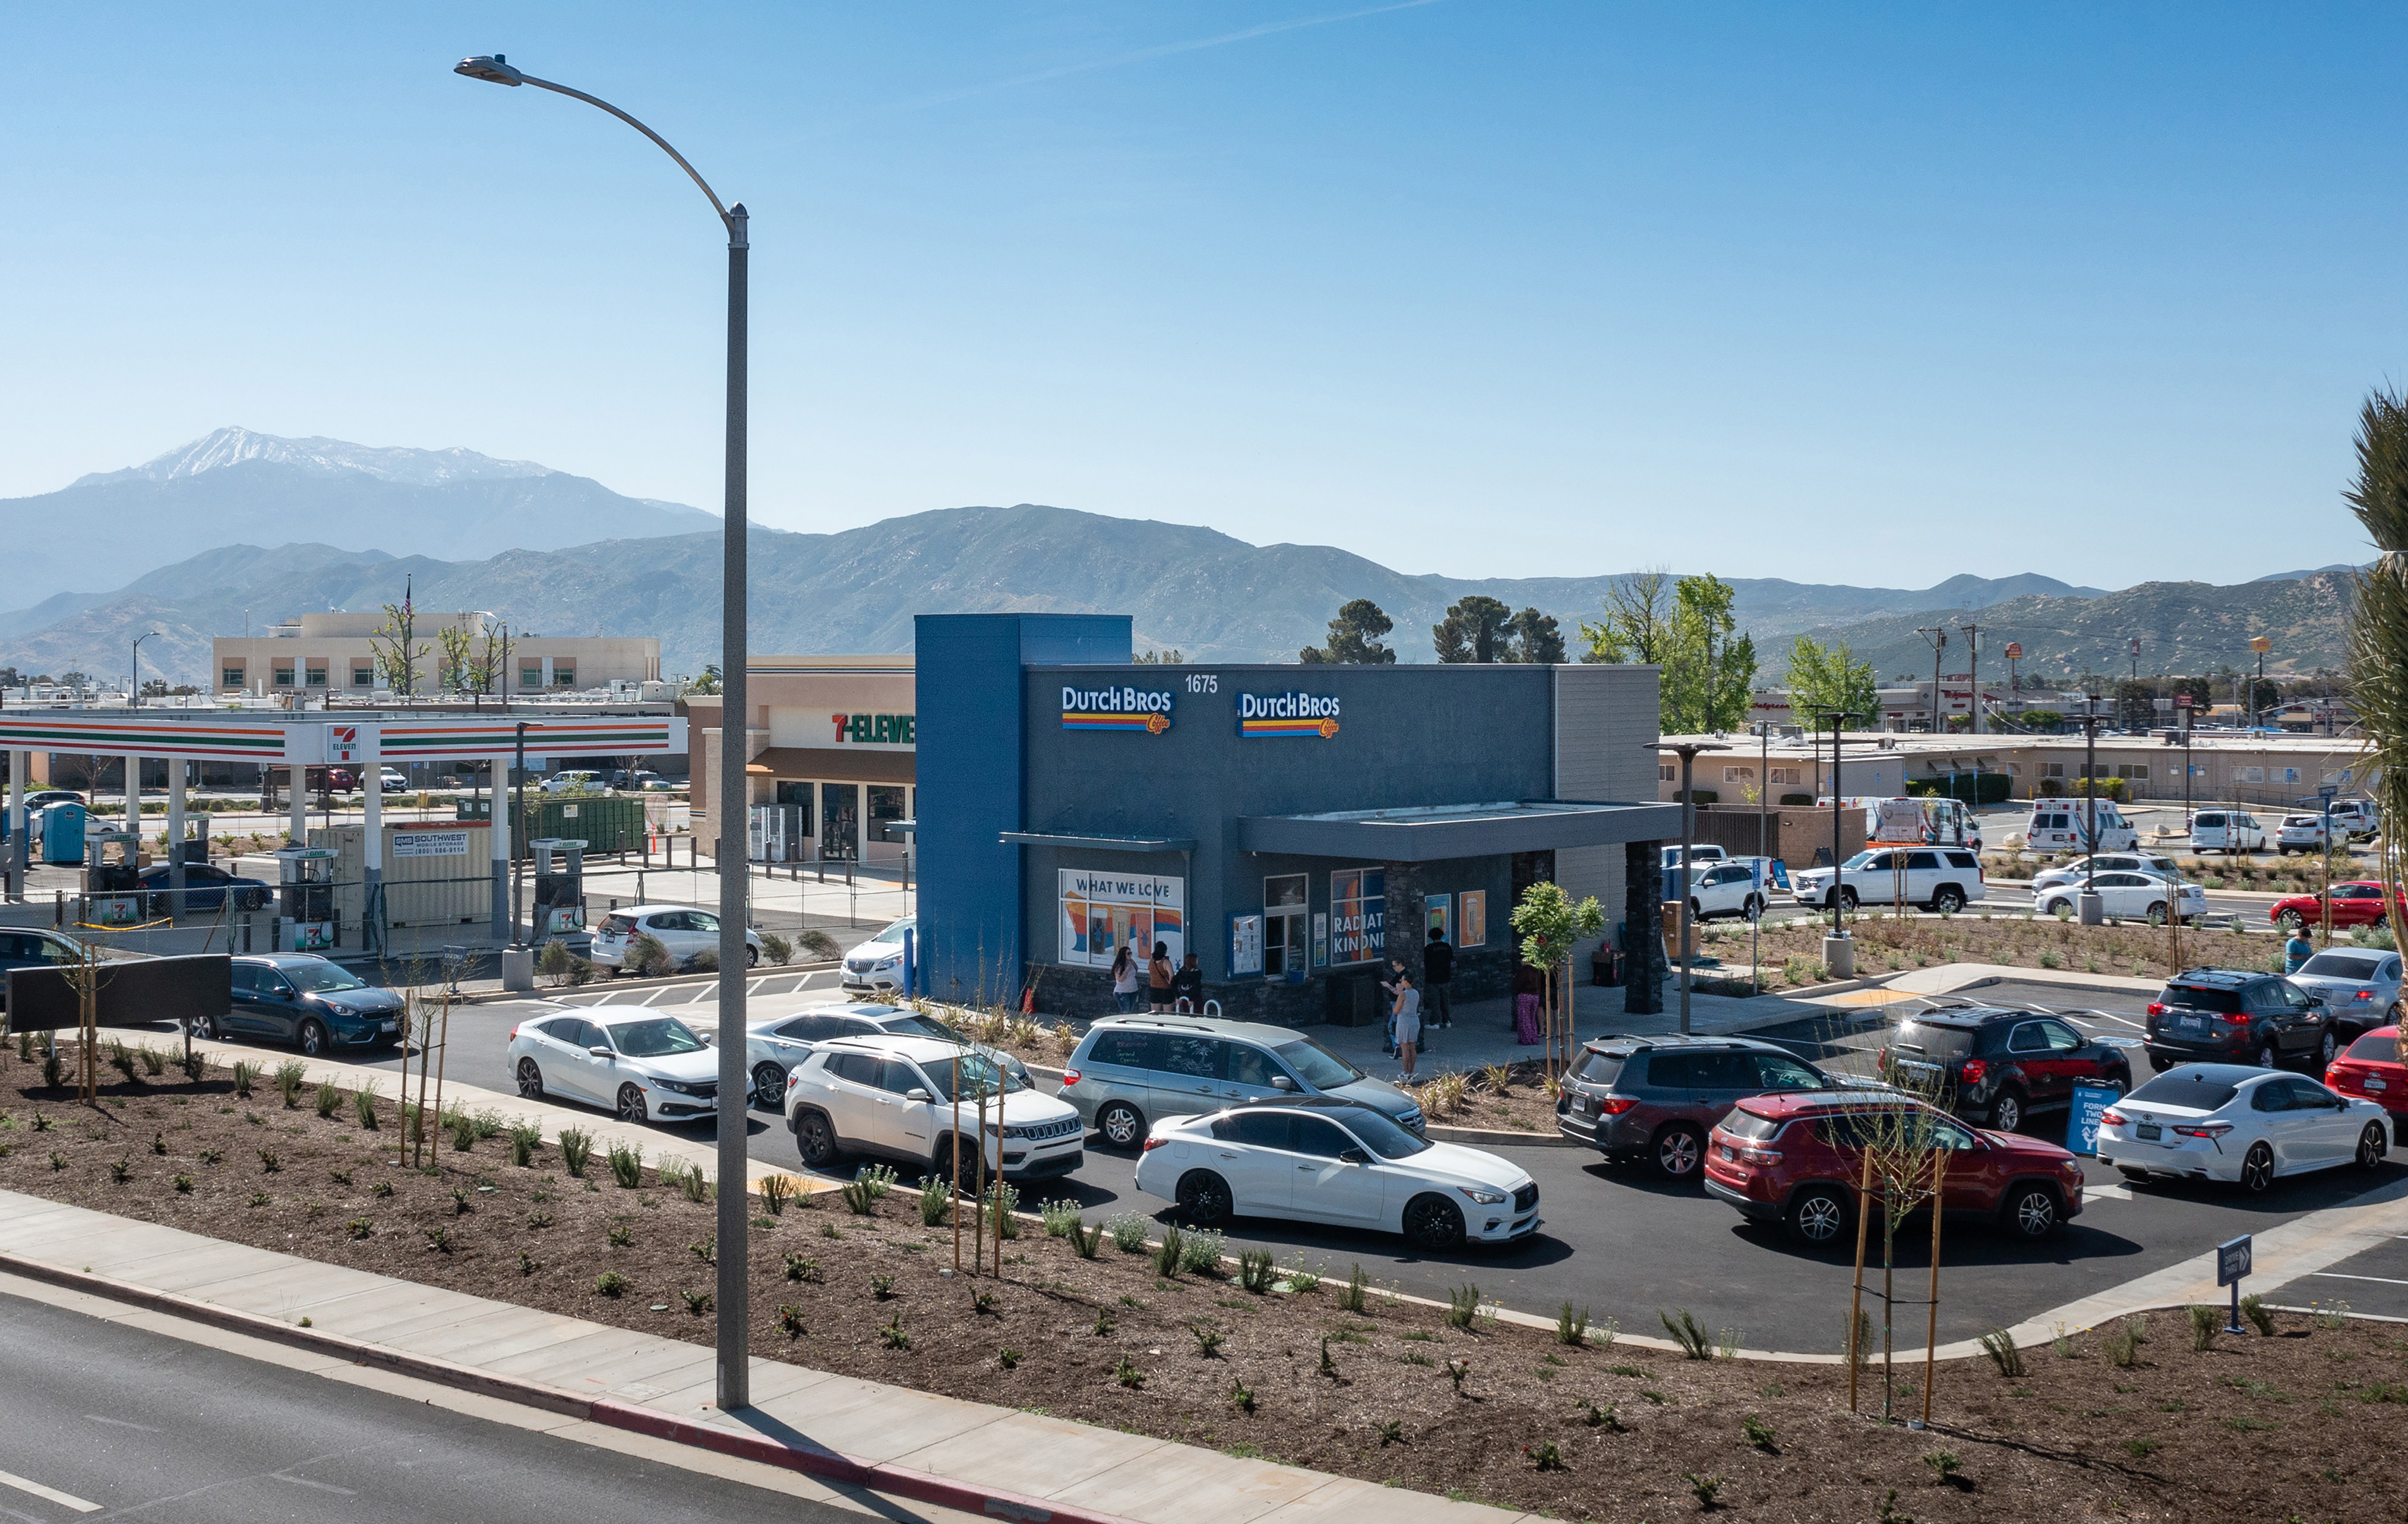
{"type": "Point", "coordinates": [232, 446]}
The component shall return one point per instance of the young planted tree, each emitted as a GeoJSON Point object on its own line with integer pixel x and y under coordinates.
{"type": "Point", "coordinates": [455, 668]}
{"type": "Point", "coordinates": [2378, 627]}
{"type": "Point", "coordinates": [1548, 923]}
{"type": "Point", "coordinates": [1905, 1149]}
{"type": "Point", "coordinates": [1354, 637]}
{"type": "Point", "coordinates": [399, 653]}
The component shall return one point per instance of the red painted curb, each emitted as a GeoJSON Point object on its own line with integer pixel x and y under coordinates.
{"type": "Point", "coordinates": [832, 1465]}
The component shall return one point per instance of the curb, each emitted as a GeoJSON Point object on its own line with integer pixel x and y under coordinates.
{"type": "Point", "coordinates": [808, 1459]}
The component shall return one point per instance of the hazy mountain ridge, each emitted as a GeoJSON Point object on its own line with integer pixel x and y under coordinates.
{"type": "Point", "coordinates": [1208, 594]}
{"type": "Point", "coordinates": [2183, 627]}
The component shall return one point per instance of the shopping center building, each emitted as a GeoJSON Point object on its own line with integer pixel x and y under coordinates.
{"type": "Point", "coordinates": [828, 748]}
{"type": "Point", "coordinates": [1293, 826]}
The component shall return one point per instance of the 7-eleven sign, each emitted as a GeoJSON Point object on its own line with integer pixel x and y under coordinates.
{"type": "Point", "coordinates": [342, 742]}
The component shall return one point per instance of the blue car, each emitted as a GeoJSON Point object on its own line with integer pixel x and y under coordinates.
{"type": "Point", "coordinates": [302, 999]}
{"type": "Point", "coordinates": [206, 888]}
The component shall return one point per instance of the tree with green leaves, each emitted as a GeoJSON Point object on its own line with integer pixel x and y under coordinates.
{"type": "Point", "coordinates": [1823, 678]}
{"type": "Point", "coordinates": [1709, 669]}
{"type": "Point", "coordinates": [2378, 625]}
{"type": "Point", "coordinates": [1475, 629]}
{"type": "Point", "coordinates": [1536, 639]}
{"type": "Point", "coordinates": [399, 653]}
{"type": "Point", "coordinates": [1354, 637]}
{"type": "Point", "coordinates": [1638, 622]}
{"type": "Point", "coordinates": [708, 682]}
{"type": "Point", "coordinates": [1548, 923]}
{"type": "Point", "coordinates": [1168, 657]}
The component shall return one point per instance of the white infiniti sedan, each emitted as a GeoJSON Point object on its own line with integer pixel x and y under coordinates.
{"type": "Point", "coordinates": [1320, 1159]}
{"type": "Point", "coordinates": [625, 1058]}
{"type": "Point", "coordinates": [2227, 1121]}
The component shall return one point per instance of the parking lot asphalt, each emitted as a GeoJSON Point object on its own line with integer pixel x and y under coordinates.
{"type": "Point", "coordinates": [2372, 1283]}
{"type": "Point", "coordinates": [1624, 1244]}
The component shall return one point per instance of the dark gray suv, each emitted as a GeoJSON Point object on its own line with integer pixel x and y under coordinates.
{"type": "Point", "coordinates": [1656, 1098]}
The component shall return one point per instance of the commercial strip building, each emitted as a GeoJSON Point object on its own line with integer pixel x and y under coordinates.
{"type": "Point", "coordinates": [1291, 826]}
{"type": "Point", "coordinates": [2250, 768]}
{"type": "Point", "coordinates": [332, 653]}
{"type": "Point", "coordinates": [829, 747]}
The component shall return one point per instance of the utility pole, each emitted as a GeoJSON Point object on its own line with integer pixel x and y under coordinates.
{"type": "Point", "coordinates": [1973, 672]}
{"type": "Point", "coordinates": [1939, 639]}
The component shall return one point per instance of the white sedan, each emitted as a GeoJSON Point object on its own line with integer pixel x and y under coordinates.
{"type": "Point", "coordinates": [2300, 834]}
{"type": "Point", "coordinates": [1319, 1159]}
{"type": "Point", "coordinates": [2138, 896]}
{"type": "Point", "coordinates": [2225, 1121]}
{"type": "Point", "coordinates": [684, 930]}
{"type": "Point", "coordinates": [628, 1059]}
{"type": "Point", "coordinates": [2081, 868]}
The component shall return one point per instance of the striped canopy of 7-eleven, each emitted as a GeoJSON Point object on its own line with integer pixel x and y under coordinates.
{"type": "Point", "coordinates": [114, 735]}
{"type": "Point", "coordinates": [278, 741]}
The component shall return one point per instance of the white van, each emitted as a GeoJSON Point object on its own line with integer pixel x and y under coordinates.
{"type": "Point", "coordinates": [2227, 831]}
{"type": "Point", "coordinates": [2355, 816]}
{"type": "Point", "coordinates": [2060, 825]}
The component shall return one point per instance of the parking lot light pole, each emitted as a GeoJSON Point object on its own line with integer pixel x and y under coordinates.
{"type": "Point", "coordinates": [1687, 751]}
{"type": "Point", "coordinates": [1836, 945]}
{"type": "Point", "coordinates": [734, 1315]}
{"type": "Point", "coordinates": [2093, 911]}
{"type": "Point", "coordinates": [134, 699]}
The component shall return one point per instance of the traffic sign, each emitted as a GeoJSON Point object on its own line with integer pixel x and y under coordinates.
{"type": "Point", "coordinates": [2232, 1259]}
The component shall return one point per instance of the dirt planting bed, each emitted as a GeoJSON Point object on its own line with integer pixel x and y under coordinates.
{"type": "Point", "coordinates": [2297, 1425]}
{"type": "Point", "coordinates": [1792, 955]}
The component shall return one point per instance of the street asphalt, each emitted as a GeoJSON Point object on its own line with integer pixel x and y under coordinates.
{"type": "Point", "coordinates": [106, 1421]}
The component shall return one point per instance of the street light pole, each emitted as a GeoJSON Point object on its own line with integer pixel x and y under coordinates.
{"type": "Point", "coordinates": [2093, 912]}
{"type": "Point", "coordinates": [134, 699]}
{"type": "Point", "coordinates": [1687, 751]}
{"type": "Point", "coordinates": [734, 1320]}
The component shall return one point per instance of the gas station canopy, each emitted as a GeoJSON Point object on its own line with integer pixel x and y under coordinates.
{"type": "Point", "coordinates": [318, 741]}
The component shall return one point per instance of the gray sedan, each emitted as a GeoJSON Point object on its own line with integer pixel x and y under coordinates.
{"type": "Point", "coordinates": [2359, 986]}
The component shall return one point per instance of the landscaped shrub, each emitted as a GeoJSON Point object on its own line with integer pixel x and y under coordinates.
{"type": "Point", "coordinates": [1129, 1231]}
{"type": "Point", "coordinates": [576, 1148]}
{"type": "Point", "coordinates": [626, 1165]}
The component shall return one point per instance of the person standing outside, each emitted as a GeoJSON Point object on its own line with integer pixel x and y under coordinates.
{"type": "Point", "coordinates": [1438, 970]}
{"type": "Point", "coordinates": [1188, 985]}
{"type": "Point", "coordinates": [1408, 1019]}
{"type": "Point", "coordinates": [1124, 980]}
{"type": "Point", "coordinates": [2297, 950]}
{"type": "Point", "coordinates": [1158, 974]}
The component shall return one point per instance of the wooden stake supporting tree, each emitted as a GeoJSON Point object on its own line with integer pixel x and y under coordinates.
{"type": "Point", "coordinates": [84, 975]}
{"type": "Point", "coordinates": [1549, 924]}
{"type": "Point", "coordinates": [1905, 1149]}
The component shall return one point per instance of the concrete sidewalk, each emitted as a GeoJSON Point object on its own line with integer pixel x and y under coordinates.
{"type": "Point", "coordinates": [973, 1456]}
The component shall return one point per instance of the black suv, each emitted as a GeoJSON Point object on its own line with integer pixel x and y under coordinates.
{"type": "Point", "coordinates": [1993, 1067]}
{"type": "Point", "coordinates": [2237, 1015]}
{"type": "Point", "coordinates": [1656, 1098]}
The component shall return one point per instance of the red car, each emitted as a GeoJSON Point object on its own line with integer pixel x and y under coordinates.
{"type": "Point", "coordinates": [2359, 903]}
{"type": "Point", "coordinates": [2372, 1068]}
{"type": "Point", "coordinates": [1793, 1159]}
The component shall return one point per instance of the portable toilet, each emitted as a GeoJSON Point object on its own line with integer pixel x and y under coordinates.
{"type": "Point", "coordinates": [62, 834]}
{"type": "Point", "coordinates": [112, 883]}
{"type": "Point", "coordinates": [559, 885]}
{"type": "Point", "coordinates": [306, 887]}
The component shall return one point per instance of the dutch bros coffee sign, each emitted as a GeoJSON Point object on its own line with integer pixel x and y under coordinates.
{"type": "Point", "coordinates": [1264, 716]}
{"type": "Point", "coordinates": [1127, 709]}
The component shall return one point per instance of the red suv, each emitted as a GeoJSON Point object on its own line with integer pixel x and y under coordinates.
{"type": "Point", "coordinates": [1796, 1158]}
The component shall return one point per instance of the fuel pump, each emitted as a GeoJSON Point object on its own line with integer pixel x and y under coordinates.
{"type": "Point", "coordinates": [559, 885]}
{"type": "Point", "coordinates": [305, 895]}
{"type": "Point", "coordinates": [112, 883]}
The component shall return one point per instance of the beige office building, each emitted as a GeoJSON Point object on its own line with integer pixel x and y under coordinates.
{"type": "Point", "coordinates": [332, 655]}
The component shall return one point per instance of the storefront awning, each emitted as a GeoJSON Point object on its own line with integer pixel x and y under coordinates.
{"type": "Point", "coordinates": [1100, 844]}
{"type": "Point", "coordinates": [833, 764]}
{"type": "Point", "coordinates": [1432, 832]}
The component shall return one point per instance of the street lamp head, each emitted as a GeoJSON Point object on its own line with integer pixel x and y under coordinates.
{"type": "Point", "coordinates": [495, 70]}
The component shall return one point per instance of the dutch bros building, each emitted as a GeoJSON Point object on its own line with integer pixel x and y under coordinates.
{"type": "Point", "coordinates": [1291, 826]}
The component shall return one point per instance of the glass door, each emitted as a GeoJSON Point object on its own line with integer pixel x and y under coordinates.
{"type": "Point", "coordinates": [1287, 945]}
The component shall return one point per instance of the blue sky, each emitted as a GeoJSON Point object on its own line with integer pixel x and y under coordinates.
{"type": "Point", "coordinates": [1858, 294]}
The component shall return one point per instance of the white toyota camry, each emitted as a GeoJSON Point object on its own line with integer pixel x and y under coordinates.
{"type": "Point", "coordinates": [2227, 1121]}
{"type": "Point", "coordinates": [1320, 1159]}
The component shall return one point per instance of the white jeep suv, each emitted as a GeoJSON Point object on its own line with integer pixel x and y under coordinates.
{"type": "Point", "coordinates": [893, 1097]}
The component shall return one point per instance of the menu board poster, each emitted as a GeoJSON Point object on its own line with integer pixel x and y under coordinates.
{"type": "Point", "coordinates": [1245, 944]}
{"type": "Point", "coordinates": [1471, 919]}
{"type": "Point", "coordinates": [1100, 914]}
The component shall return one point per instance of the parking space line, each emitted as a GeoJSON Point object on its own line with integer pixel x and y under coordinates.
{"type": "Point", "coordinates": [2335, 1275]}
{"type": "Point", "coordinates": [653, 996]}
{"type": "Point", "coordinates": [49, 1494]}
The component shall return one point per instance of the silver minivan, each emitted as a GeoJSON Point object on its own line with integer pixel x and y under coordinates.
{"type": "Point", "coordinates": [1130, 1072]}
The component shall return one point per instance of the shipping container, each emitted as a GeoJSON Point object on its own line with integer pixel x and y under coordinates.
{"type": "Point", "coordinates": [437, 873]}
{"type": "Point", "coordinates": [605, 823]}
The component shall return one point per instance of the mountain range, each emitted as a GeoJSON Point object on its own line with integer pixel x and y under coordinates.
{"type": "Point", "coordinates": [240, 529]}
{"type": "Point", "coordinates": [236, 486]}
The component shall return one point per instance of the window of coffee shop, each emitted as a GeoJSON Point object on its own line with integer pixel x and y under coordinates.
{"type": "Point", "coordinates": [1285, 942]}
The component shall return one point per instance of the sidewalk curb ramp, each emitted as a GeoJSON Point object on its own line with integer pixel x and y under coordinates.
{"type": "Point", "coordinates": [800, 1455]}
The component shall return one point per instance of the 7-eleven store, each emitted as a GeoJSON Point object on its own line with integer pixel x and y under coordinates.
{"type": "Point", "coordinates": [366, 741]}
